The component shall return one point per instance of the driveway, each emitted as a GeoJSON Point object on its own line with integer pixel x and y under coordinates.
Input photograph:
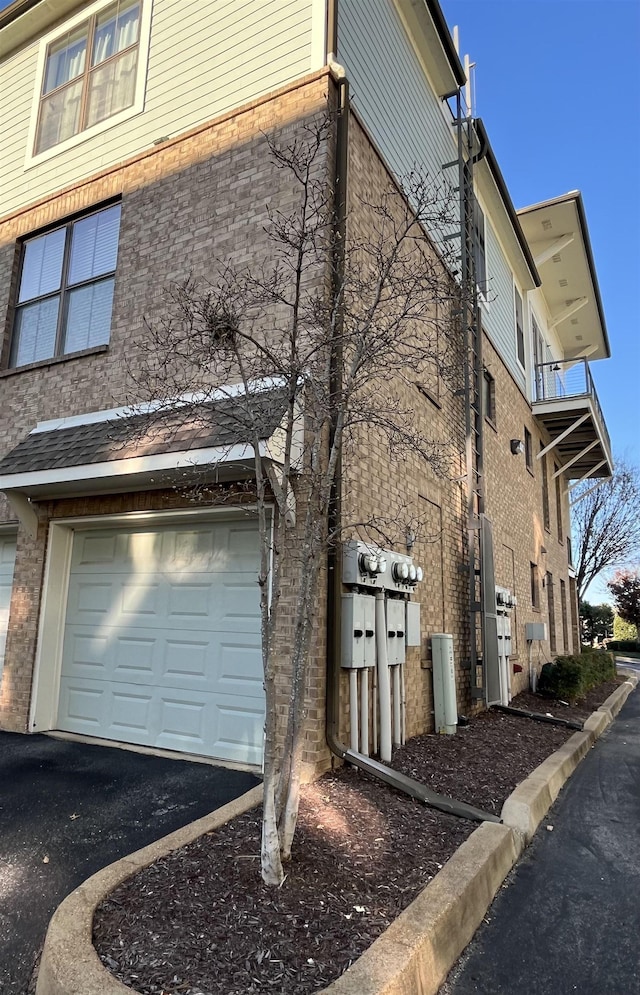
{"type": "Point", "coordinates": [67, 810]}
{"type": "Point", "coordinates": [567, 920]}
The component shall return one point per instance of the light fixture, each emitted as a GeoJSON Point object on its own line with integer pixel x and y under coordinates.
{"type": "Point", "coordinates": [517, 447]}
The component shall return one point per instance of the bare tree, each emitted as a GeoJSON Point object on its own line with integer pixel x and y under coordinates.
{"type": "Point", "coordinates": [317, 340]}
{"type": "Point", "coordinates": [606, 524]}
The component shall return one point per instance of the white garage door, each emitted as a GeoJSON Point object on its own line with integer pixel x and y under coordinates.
{"type": "Point", "coordinates": [162, 639]}
{"type": "Point", "coordinates": [7, 560]}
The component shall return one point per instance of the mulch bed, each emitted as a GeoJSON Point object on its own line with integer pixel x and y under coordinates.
{"type": "Point", "coordinates": [578, 710]}
{"type": "Point", "coordinates": [200, 921]}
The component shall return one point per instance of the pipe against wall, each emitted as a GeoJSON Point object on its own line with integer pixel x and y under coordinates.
{"type": "Point", "coordinates": [397, 721]}
{"type": "Point", "coordinates": [353, 708]}
{"type": "Point", "coordinates": [384, 683]}
{"type": "Point", "coordinates": [403, 692]}
{"type": "Point", "coordinates": [364, 711]}
{"type": "Point", "coordinates": [374, 709]}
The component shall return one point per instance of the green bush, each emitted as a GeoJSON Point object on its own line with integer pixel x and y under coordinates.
{"type": "Point", "coordinates": [570, 677]}
{"type": "Point", "coordinates": [622, 645]}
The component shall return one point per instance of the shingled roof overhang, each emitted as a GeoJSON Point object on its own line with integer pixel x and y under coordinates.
{"type": "Point", "coordinates": [110, 451]}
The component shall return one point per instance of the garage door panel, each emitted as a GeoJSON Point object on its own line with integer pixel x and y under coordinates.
{"type": "Point", "coordinates": [240, 733]}
{"type": "Point", "coordinates": [240, 670]}
{"type": "Point", "coordinates": [163, 639]}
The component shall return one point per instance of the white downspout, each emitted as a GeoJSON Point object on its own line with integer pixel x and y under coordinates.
{"type": "Point", "coordinates": [384, 684]}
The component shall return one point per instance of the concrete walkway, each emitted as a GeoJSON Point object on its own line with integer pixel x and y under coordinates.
{"type": "Point", "coordinates": [69, 809]}
{"type": "Point", "coordinates": [567, 919]}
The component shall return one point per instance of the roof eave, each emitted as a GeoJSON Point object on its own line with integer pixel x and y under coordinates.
{"type": "Point", "coordinates": [576, 197]}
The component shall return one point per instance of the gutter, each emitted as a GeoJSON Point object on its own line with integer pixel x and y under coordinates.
{"type": "Point", "coordinates": [334, 580]}
{"type": "Point", "coordinates": [16, 10]}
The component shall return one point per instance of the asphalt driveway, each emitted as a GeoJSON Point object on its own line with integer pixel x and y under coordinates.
{"type": "Point", "coordinates": [67, 810]}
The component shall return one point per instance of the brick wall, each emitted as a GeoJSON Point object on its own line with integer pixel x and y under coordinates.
{"type": "Point", "coordinates": [203, 196]}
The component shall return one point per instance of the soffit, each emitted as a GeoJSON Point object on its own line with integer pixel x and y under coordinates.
{"type": "Point", "coordinates": [569, 281]}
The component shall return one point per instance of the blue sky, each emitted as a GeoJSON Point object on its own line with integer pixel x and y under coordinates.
{"type": "Point", "coordinates": [556, 85]}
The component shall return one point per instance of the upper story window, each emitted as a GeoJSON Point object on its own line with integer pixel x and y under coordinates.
{"type": "Point", "coordinates": [91, 76]}
{"type": "Point", "coordinates": [89, 73]}
{"type": "Point", "coordinates": [519, 327]}
{"type": "Point", "coordinates": [65, 292]}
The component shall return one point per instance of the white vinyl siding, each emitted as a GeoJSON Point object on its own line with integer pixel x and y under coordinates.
{"type": "Point", "coordinates": [162, 642]}
{"type": "Point", "coordinates": [410, 126]}
{"type": "Point", "coordinates": [205, 59]}
{"type": "Point", "coordinates": [499, 319]}
{"type": "Point", "coordinates": [390, 91]}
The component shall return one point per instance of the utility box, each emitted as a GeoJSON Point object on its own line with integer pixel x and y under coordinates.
{"type": "Point", "coordinates": [445, 705]}
{"type": "Point", "coordinates": [413, 623]}
{"type": "Point", "coordinates": [396, 631]}
{"type": "Point", "coordinates": [535, 631]}
{"type": "Point", "coordinates": [358, 631]}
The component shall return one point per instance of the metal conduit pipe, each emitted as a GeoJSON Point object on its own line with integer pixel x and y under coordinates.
{"type": "Point", "coordinates": [539, 717]}
{"type": "Point", "coordinates": [334, 586]}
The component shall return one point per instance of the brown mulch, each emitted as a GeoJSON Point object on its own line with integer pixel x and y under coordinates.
{"type": "Point", "coordinates": [200, 921]}
{"type": "Point", "coordinates": [578, 710]}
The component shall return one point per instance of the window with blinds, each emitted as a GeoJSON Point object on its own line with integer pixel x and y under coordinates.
{"type": "Point", "coordinates": [90, 74]}
{"type": "Point", "coordinates": [65, 292]}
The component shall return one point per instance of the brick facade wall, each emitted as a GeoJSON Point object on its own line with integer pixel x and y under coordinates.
{"type": "Point", "coordinates": [206, 195]}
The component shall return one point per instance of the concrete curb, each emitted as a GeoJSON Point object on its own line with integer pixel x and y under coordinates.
{"type": "Point", "coordinates": [415, 954]}
{"type": "Point", "coordinates": [69, 963]}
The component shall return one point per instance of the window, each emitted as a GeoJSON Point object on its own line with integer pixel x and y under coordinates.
{"type": "Point", "coordinates": [489, 397]}
{"type": "Point", "coordinates": [559, 503]}
{"type": "Point", "coordinates": [551, 605]}
{"type": "Point", "coordinates": [569, 552]}
{"type": "Point", "coordinates": [479, 249]}
{"type": "Point", "coordinates": [65, 291]}
{"type": "Point", "coordinates": [535, 586]}
{"type": "Point", "coordinates": [528, 450]}
{"type": "Point", "coordinates": [545, 491]}
{"type": "Point", "coordinates": [89, 74]}
{"type": "Point", "coordinates": [519, 327]}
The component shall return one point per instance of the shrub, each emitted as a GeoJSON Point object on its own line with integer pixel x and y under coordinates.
{"type": "Point", "coordinates": [622, 645]}
{"type": "Point", "coordinates": [570, 677]}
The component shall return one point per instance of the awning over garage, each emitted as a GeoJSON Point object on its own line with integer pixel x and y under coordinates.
{"type": "Point", "coordinates": [126, 449]}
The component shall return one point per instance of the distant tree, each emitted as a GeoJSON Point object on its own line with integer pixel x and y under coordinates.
{"type": "Point", "coordinates": [606, 524]}
{"type": "Point", "coordinates": [623, 630]}
{"type": "Point", "coordinates": [625, 590]}
{"type": "Point", "coordinates": [596, 622]}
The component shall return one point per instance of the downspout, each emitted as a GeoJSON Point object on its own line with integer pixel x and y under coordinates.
{"type": "Point", "coordinates": [334, 580]}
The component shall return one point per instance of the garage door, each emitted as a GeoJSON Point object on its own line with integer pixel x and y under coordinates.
{"type": "Point", "coordinates": [162, 639]}
{"type": "Point", "coordinates": [7, 560]}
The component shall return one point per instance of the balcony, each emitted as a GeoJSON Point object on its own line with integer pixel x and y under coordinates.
{"type": "Point", "coordinates": [566, 404]}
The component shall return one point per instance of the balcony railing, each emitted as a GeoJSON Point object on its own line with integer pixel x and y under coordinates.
{"type": "Point", "coordinates": [569, 379]}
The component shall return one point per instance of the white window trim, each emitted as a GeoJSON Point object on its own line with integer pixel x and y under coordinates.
{"type": "Point", "coordinates": [136, 107]}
